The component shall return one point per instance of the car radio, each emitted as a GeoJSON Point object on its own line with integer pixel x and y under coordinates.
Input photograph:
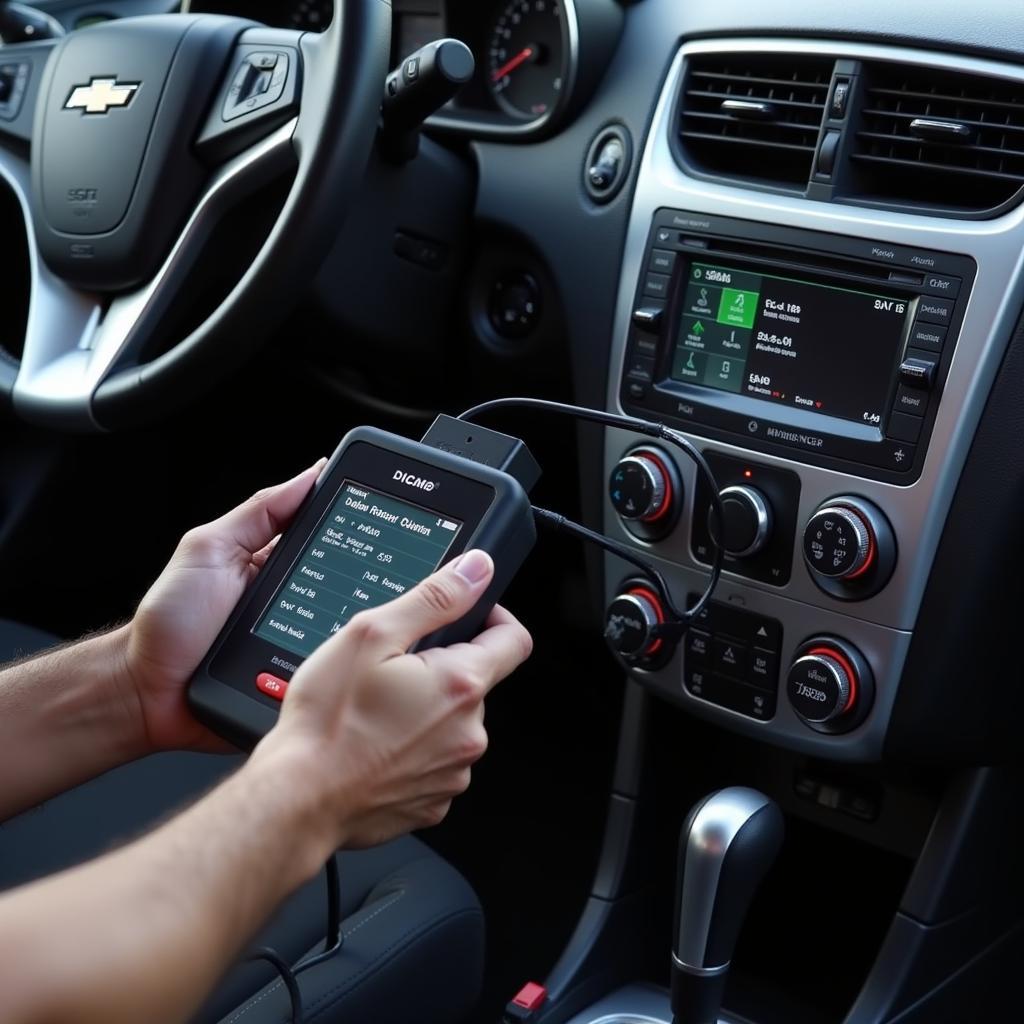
{"type": "Point", "coordinates": [826, 349]}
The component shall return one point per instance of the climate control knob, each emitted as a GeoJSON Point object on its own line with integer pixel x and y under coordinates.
{"type": "Point", "coordinates": [829, 685]}
{"type": "Point", "coordinates": [646, 491]}
{"type": "Point", "coordinates": [849, 548]}
{"type": "Point", "coordinates": [631, 620]}
{"type": "Point", "coordinates": [747, 518]}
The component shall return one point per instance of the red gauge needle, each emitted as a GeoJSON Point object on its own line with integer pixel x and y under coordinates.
{"type": "Point", "coordinates": [510, 65]}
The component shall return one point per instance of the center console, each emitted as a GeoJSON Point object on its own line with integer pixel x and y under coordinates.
{"type": "Point", "coordinates": [832, 372]}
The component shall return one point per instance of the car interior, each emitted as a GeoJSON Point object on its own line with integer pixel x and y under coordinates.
{"type": "Point", "coordinates": [763, 766]}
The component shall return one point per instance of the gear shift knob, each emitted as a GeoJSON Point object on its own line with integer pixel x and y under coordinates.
{"type": "Point", "coordinates": [726, 846]}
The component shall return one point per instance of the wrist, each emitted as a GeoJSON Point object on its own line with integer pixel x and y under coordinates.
{"type": "Point", "coordinates": [124, 696]}
{"type": "Point", "coordinates": [286, 775]}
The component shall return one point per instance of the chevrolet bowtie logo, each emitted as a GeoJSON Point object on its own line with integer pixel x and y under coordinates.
{"type": "Point", "coordinates": [100, 95]}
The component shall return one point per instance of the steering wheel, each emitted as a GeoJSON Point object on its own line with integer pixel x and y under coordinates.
{"type": "Point", "coordinates": [125, 143]}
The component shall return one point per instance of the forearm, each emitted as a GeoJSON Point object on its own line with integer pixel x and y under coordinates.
{"type": "Point", "coordinates": [145, 932]}
{"type": "Point", "coordinates": [64, 718]}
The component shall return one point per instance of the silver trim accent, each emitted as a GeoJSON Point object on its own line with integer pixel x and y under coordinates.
{"type": "Point", "coordinates": [701, 972]}
{"type": "Point", "coordinates": [861, 531]}
{"type": "Point", "coordinates": [714, 828]}
{"type": "Point", "coordinates": [514, 130]}
{"type": "Point", "coordinates": [639, 1003]}
{"type": "Point", "coordinates": [880, 626]}
{"type": "Point", "coordinates": [73, 339]}
{"type": "Point", "coordinates": [842, 681]}
{"type": "Point", "coordinates": [657, 481]}
{"type": "Point", "coordinates": [761, 513]}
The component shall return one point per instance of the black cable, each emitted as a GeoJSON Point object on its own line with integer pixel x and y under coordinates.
{"type": "Point", "coordinates": [335, 939]}
{"type": "Point", "coordinates": [650, 428]}
{"type": "Point", "coordinates": [287, 976]}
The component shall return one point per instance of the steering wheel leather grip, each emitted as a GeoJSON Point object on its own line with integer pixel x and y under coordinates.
{"type": "Point", "coordinates": [83, 366]}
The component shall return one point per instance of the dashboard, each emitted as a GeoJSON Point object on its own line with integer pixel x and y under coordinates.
{"type": "Point", "coordinates": [797, 241]}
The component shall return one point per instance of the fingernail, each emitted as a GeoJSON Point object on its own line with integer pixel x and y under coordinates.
{"type": "Point", "coordinates": [474, 567]}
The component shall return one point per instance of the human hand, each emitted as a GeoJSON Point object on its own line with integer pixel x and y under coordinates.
{"type": "Point", "coordinates": [383, 740]}
{"type": "Point", "coordinates": [184, 610]}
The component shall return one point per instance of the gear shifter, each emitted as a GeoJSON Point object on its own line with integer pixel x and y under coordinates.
{"type": "Point", "coordinates": [727, 844]}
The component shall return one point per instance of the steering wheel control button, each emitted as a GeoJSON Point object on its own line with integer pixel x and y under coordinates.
{"type": "Point", "coordinates": [732, 659]}
{"type": "Point", "coordinates": [849, 548]}
{"type": "Point", "coordinates": [837, 543]}
{"type": "Point", "coordinates": [819, 687]}
{"type": "Point", "coordinates": [830, 685]}
{"type": "Point", "coordinates": [13, 83]}
{"type": "Point", "coordinates": [258, 83]}
{"type": "Point", "coordinates": [630, 622]}
{"type": "Point", "coordinates": [747, 520]}
{"type": "Point", "coordinates": [271, 685]}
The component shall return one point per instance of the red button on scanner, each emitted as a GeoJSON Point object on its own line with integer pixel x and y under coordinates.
{"type": "Point", "coordinates": [271, 685]}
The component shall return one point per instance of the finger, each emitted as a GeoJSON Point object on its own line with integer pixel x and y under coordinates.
{"type": "Point", "coordinates": [254, 523]}
{"type": "Point", "coordinates": [260, 558]}
{"type": "Point", "coordinates": [439, 600]}
{"type": "Point", "coordinates": [493, 656]}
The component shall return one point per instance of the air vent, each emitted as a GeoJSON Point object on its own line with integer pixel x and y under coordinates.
{"type": "Point", "coordinates": [941, 139]}
{"type": "Point", "coordinates": [753, 116]}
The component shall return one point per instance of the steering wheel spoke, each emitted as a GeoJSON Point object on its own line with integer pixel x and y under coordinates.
{"type": "Point", "coordinates": [75, 340]}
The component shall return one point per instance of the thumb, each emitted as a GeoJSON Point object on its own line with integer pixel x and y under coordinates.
{"type": "Point", "coordinates": [254, 523]}
{"type": "Point", "coordinates": [439, 600]}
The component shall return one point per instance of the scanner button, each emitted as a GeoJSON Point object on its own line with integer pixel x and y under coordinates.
{"type": "Point", "coordinates": [271, 685]}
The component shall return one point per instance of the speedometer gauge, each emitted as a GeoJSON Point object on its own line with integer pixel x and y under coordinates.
{"type": "Point", "coordinates": [526, 57]}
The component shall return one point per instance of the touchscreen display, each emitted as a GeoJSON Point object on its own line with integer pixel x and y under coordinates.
{"type": "Point", "coordinates": [817, 347]}
{"type": "Point", "coordinates": [368, 549]}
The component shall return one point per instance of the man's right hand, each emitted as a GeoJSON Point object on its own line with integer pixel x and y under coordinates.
{"type": "Point", "coordinates": [384, 738]}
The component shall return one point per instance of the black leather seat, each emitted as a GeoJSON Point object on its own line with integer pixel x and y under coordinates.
{"type": "Point", "coordinates": [414, 934]}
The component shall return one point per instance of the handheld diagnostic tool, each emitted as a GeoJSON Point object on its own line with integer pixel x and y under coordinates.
{"type": "Point", "coordinates": [385, 513]}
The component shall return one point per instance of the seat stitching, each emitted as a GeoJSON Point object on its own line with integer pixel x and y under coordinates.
{"type": "Point", "coordinates": [329, 998]}
{"type": "Point", "coordinates": [347, 934]}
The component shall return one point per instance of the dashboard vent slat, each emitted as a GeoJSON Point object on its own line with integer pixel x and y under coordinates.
{"type": "Point", "coordinates": [980, 170]}
{"type": "Point", "coordinates": [792, 90]}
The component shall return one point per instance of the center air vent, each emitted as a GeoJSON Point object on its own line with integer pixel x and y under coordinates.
{"type": "Point", "coordinates": [943, 139]}
{"type": "Point", "coordinates": [753, 116]}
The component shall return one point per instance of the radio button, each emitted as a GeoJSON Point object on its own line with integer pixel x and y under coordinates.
{"type": "Point", "coordinates": [729, 658]}
{"type": "Point", "coordinates": [904, 428]}
{"type": "Point", "coordinates": [917, 371]}
{"type": "Point", "coordinates": [939, 285]}
{"type": "Point", "coordinates": [642, 345]}
{"type": "Point", "coordinates": [656, 285]}
{"type": "Point", "coordinates": [640, 368]}
{"type": "Point", "coordinates": [698, 647]}
{"type": "Point", "coordinates": [648, 316]}
{"type": "Point", "coordinates": [662, 261]}
{"type": "Point", "coordinates": [911, 400]}
{"type": "Point", "coordinates": [637, 392]}
{"type": "Point", "coordinates": [934, 311]}
{"type": "Point", "coordinates": [928, 337]}
{"type": "Point", "coordinates": [764, 668]}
